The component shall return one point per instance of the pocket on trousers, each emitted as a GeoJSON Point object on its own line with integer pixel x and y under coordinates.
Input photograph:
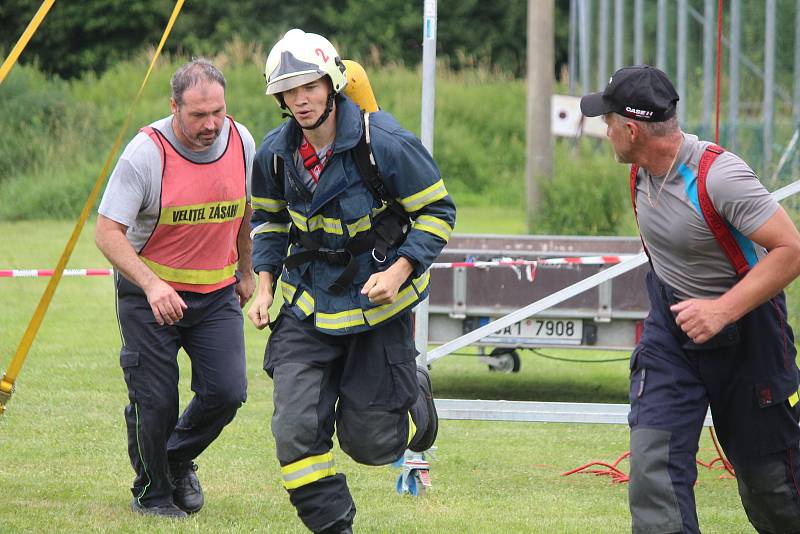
{"type": "Point", "coordinates": [269, 362]}
{"type": "Point", "coordinates": [638, 373]}
{"type": "Point", "coordinates": [725, 338]}
{"type": "Point", "coordinates": [128, 358]}
{"type": "Point", "coordinates": [129, 361]}
{"type": "Point", "coordinates": [402, 374]}
{"type": "Point", "coordinates": [776, 417]}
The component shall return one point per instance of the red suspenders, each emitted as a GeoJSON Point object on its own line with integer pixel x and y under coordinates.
{"type": "Point", "coordinates": [714, 220]}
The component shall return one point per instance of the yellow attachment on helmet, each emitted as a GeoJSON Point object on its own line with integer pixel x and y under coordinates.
{"type": "Point", "coordinates": [358, 88]}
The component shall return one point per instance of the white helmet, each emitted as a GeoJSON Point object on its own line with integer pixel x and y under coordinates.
{"type": "Point", "coordinates": [300, 58]}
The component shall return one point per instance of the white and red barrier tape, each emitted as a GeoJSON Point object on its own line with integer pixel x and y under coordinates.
{"type": "Point", "coordinates": [32, 273]}
{"type": "Point", "coordinates": [579, 260]}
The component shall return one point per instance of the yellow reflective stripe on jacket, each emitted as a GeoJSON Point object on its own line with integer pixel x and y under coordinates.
{"type": "Point", "coordinates": [405, 298]}
{"type": "Point", "coordinates": [412, 429]}
{"type": "Point", "coordinates": [272, 205]}
{"type": "Point", "coordinates": [428, 195]}
{"type": "Point", "coordinates": [211, 212]}
{"type": "Point", "coordinates": [299, 221]}
{"type": "Point", "coordinates": [288, 291]}
{"type": "Point", "coordinates": [328, 225]}
{"type": "Point", "coordinates": [421, 283]}
{"type": "Point", "coordinates": [190, 276]}
{"type": "Point", "coordinates": [433, 225]}
{"type": "Point", "coordinates": [268, 227]}
{"type": "Point", "coordinates": [794, 398]}
{"type": "Point", "coordinates": [336, 321]}
{"type": "Point", "coordinates": [306, 303]}
{"type": "Point", "coordinates": [317, 222]}
{"type": "Point", "coordinates": [361, 225]}
{"type": "Point", "coordinates": [308, 470]}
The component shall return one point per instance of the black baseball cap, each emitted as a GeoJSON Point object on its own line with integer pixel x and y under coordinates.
{"type": "Point", "coordinates": [642, 93]}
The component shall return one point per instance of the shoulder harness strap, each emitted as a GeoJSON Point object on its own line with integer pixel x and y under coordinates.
{"type": "Point", "coordinates": [634, 175]}
{"type": "Point", "coordinates": [714, 220]}
{"type": "Point", "coordinates": [369, 171]}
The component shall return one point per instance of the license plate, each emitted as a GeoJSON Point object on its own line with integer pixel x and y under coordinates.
{"type": "Point", "coordinates": [530, 331]}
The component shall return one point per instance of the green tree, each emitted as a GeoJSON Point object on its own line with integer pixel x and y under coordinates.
{"type": "Point", "coordinates": [90, 36]}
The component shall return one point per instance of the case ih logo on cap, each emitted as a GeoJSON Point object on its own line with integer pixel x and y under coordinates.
{"type": "Point", "coordinates": [638, 113]}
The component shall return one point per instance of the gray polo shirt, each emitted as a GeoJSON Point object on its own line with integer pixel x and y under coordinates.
{"type": "Point", "coordinates": [684, 252]}
{"type": "Point", "coordinates": [133, 194]}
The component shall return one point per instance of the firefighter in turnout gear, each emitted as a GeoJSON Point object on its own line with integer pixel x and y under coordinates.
{"type": "Point", "coordinates": [349, 212]}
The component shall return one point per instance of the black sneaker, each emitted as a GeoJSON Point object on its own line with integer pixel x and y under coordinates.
{"type": "Point", "coordinates": [425, 441]}
{"type": "Point", "coordinates": [163, 510]}
{"type": "Point", "coordinates": [188, 495]}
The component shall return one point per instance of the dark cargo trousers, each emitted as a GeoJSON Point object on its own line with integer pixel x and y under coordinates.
{"type": "Point", "coordinates": [364, 383]}
{"type": "Point", "coordinates": [211, 334]}
{"type": "Point", "coordinates": [747, 374]}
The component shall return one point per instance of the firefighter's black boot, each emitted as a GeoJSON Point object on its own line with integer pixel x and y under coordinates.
{"type": "Point", "coordinates": [424, 439]}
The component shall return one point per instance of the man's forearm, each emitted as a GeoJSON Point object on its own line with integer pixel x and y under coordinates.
{"type": "Point", "coordinates": [265, 281]}
{"type": "Point", "coordinates": [770, 275]}
{"type": "Point", "coordinates": [118, 250]}
{"type": "Point", "coordinates": [244, 244]}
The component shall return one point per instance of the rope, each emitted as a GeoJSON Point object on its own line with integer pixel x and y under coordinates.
{"type": "Point", "coordinates": [721, 456]}
{"type": "Point", "coordinates": [719, 62]}
{"type": "Point", "coordinates": [33, 25]}
{"type": "Point", "coordinates": [7, 382]}
{"type": "Point", "coordinates": [575, 360]}
{"type": "Point", "coordinates": [618, 476]}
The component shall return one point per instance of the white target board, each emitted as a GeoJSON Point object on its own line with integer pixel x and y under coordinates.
{"type": "Point", "coordinates": [568, 121]}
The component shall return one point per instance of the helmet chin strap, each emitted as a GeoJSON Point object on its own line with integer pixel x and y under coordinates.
{"type": "Point", "coordinates": [322, 118]}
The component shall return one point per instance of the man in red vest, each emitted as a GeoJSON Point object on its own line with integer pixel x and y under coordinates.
{"type": "Point", "coordinates": [721, 251]}
{"type": "Point", "coordinates": [174, 222]}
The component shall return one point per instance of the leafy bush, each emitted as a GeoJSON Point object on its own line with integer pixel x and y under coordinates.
{"type": "Point", "coordinates": [589, 194]}
{"type": "Point", "coordinates": [59, 134]}
{"type": "Point", "coordinates": [41, 123]}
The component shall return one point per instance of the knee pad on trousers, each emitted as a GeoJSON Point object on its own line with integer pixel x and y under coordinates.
{"type": "Point", "coordinates": [295, 423]}
{"type": "Point", "coordinates": [653, 502]}
{"type": "Point", "coordinates": [372, 437]}
{"type": "Point", "coordinates": [769, 495]}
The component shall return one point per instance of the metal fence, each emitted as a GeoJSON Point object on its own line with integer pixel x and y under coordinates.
{"type": "Point", "coordinates": [760, 78]}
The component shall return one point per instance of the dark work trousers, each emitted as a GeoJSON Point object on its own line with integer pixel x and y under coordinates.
{"type": "Point", "coordinates": [365, 383]}
{"type": "Point", "coordinates": [747, 374]}
{"type": "Point", "coordinates": [211, 333]}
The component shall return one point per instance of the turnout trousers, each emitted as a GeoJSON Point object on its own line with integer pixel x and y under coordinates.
{"type": "Point", "coordinates": [211, 333]}
{"type": "Point", "coordinates": [365, 384]}
{"type": "Point", "coordinates": [748, 376]}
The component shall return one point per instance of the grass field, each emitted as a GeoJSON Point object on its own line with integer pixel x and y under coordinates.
{"type": "Point", "coordinates": [64, 466]}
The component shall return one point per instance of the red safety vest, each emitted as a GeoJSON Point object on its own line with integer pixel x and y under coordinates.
{"type": "Point", "coordinates": [193, 246]}
{"type": "Point", "coordinates": [713, 219]}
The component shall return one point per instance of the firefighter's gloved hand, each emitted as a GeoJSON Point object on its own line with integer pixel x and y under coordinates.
{"type": "Point", "coordinates": [381, 288]}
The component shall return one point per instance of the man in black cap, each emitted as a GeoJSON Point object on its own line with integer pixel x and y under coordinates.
{"type": "Point", "coordinates": [721, 251]}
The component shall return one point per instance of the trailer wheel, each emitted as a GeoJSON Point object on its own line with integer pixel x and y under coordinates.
{"type": "Point", "coordinates": [506, 360]}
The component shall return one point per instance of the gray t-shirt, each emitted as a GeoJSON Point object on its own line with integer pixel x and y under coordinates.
{"type": "Point", "coordinates": [133, 194]}
{"type": "Point", "coordinates": [684, 252]}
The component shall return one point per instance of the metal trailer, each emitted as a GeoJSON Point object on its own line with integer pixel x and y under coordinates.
{"type": "Point", "coordinates": [465, 298]}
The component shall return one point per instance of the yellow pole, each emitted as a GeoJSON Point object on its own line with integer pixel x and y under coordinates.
{"type": "Point", "coordinates": [10, 376]}
{"type": "Point", "coordinates": [33, 25]}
